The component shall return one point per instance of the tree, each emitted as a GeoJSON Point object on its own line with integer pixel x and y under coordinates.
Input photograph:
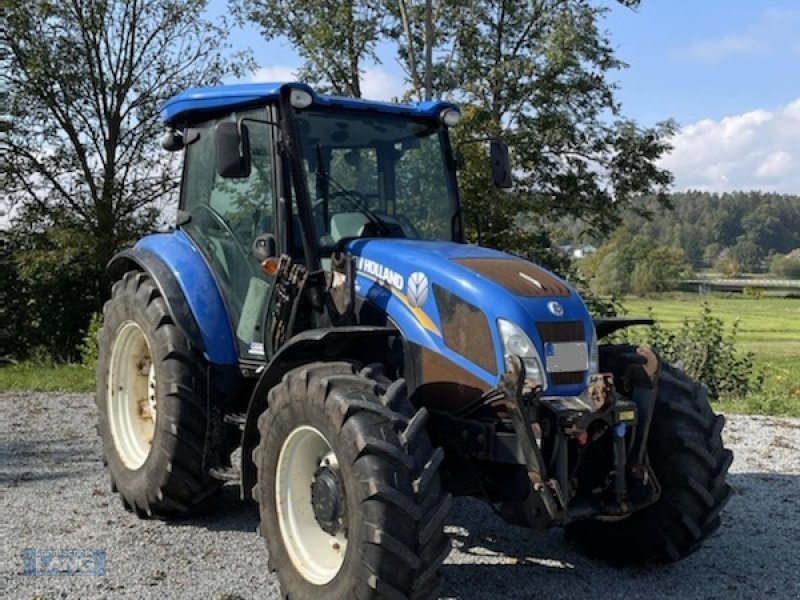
{"type": "Point", "coordinates": [787, 267]}
{"type": "Point", "coordinates": [423, 33]}
{"type": "Point", "coordinates": [333, 38]}
{"type": "Point", "coordinates": [748, 255]}
{"type": "Point", "coordinates": [539, 75]}
{"type": "Point", "coordinates": [536, 73]}
{"type": "Point", "coordinates": [636, 264]}
{"type": "Point", "coordinates": [711, 252]}
{"type": "Point", "coordinates": [728, 266]}
{"type": "Point", "coordinates": [703, 224]}
{"type": "Point", "coordinates": [84, 173]}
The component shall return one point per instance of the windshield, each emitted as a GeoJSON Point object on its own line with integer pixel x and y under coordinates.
{"type": "Point", "coordinates": [376, 175]}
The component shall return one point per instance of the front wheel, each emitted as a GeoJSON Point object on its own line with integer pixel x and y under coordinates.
{"type": "Point", "coordinates": [686, 453]}
{"type": "Point", "coordinates": [348, 488]}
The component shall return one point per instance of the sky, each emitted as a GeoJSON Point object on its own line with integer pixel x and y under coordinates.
{"type": "Point", "coordinates": [728, 71]}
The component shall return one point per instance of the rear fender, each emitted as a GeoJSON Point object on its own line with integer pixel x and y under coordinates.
{"type": "Point", "coordinates": [360, 343]}
{"type": "Point", "coordinates": [197, 309]}
{"type": "Point", "coordinates": [189, 289]}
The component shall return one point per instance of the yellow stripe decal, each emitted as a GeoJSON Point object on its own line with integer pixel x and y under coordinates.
{"type": "Point", "coordinates": [420, 315]}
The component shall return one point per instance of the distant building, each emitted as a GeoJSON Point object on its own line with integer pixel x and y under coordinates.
{"type": "Point", "coordinates": [583, 251]}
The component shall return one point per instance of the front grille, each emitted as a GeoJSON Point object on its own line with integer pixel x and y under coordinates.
{"type": "Point", "coordinates": [562, 331]}
{"type": "Point", "coordinates": [570, 377]}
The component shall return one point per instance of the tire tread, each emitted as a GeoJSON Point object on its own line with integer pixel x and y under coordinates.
{"type": "Point", "coordinates": [399, 477]}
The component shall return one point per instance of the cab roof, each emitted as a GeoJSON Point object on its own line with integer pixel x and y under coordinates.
{"type": "Point", "coordinates": [196, 104]}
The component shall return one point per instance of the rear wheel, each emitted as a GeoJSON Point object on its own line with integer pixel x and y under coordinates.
{"type": "Point", "coordinates": [686, 453]}
{"type": "Point", "coordinates": [151, 387]}
{"type": "Point", "coordinates": [348, 488]}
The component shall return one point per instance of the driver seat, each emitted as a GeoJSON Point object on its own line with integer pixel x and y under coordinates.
{"type": "Point", "coordinates": [347, 225]}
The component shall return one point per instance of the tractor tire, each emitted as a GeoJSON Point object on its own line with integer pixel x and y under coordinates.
{"type": "Point", "coordinates": [151, 389]}
{"type": "Point", "coordinates": [686, 453]}
{"type": "Point", "coordinates": [348, 488]}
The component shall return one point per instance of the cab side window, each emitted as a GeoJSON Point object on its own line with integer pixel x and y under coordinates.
{"type": "Point", "coordinates": [245, 205]}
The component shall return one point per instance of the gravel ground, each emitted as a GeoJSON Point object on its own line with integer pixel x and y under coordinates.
{"type": "Point", "coordinates": [55, 495]}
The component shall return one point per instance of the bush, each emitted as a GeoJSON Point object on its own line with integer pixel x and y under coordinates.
{"type": "Point", "coordinates": [785, 266]}
{"type": "Point", "coordinates": [51, 288]}
{"type": "Point", "coordinates": [753, 291]}
{"type": "Point", "coordinates": [707, 352]}
{"type": "Point", "coordinates": [728, 267]}
{"type": "Point", "coordinates": [89, 347]}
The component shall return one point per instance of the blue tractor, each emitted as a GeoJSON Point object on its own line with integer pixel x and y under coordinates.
{"type": "Point", "coordinates": [318, 308]}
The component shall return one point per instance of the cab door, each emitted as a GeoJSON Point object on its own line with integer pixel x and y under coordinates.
{"type": "Point", "coordinates": [226, 216]}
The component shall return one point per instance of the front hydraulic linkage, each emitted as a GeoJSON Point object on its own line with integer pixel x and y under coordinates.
{"type": "Point", "coordinates": [546, 504]}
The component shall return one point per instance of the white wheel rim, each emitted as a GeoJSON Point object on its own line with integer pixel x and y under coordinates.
{"type": "Point", "coordinates": [131, 395]}
{"type": "Point", "coordinates": [317, 555]}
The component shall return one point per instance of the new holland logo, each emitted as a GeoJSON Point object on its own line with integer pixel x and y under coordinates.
{"type": "Point", "coordinates": [381, 273]}
{"type": "Point", "coordinates": [417, 288]}
{"type": "Point", "coordinates": [555, 309]}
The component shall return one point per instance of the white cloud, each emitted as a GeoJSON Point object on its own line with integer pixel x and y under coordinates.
{"type": "Point", "coordinates": [754, 150]}
{"type": "Point", "coordinates": [715, 49]}
{"type": "Point", "coordinates": [275, 73]}
{"type": "Point", "coordinates": [777, 164]}
{"type": "Point", "coordinates": [773, 33]}
{"type": "Point", "coordinates": [377, 84]}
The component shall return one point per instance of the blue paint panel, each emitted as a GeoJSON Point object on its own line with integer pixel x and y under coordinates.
{"type": "Point", "coordinates": [435, 260]}
{"type": "Point", "coordinates": [200, 290]}
{"type": "Point", "coordinates": [194, 102]}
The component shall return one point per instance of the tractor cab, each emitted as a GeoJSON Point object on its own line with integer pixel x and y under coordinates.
{"type": "Point", "coordinates": [300, 178]}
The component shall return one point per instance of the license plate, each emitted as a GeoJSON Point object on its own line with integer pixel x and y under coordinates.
{"type": "Point", "coordinates": [564, 357]}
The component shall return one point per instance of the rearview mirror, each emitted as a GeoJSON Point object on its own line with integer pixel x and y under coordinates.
{"type": "Point", "coordinates": [172, 140]}
{"type": "Point", "coordinates": [233, 149]}
{"type": "Point", "coordinates": [501, 164]}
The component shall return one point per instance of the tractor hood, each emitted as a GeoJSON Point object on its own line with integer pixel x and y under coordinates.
{"type": "Point", "coordinates": [449, 297]}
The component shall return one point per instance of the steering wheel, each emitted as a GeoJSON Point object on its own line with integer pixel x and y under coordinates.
{"type": "Point", "coordinates": [354, 198]}
{"type": "Point", "coordinates": [405, 223]}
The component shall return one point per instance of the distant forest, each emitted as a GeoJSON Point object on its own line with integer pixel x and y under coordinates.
{"type": "Point", "coordinates": [746, 227]}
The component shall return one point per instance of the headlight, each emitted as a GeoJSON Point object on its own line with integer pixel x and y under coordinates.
{"type": "Point", "coordinates": [300, 98]}
{"type": "Point", "coordinates": [450, 117]}
{"type": "Point", "coordinates": [517, 343]}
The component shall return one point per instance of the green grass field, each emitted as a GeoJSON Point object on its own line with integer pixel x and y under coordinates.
{"type": "Point", "coordinates": [44, 377]}
{"type": "Point", "coordinates": [768, 327]}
